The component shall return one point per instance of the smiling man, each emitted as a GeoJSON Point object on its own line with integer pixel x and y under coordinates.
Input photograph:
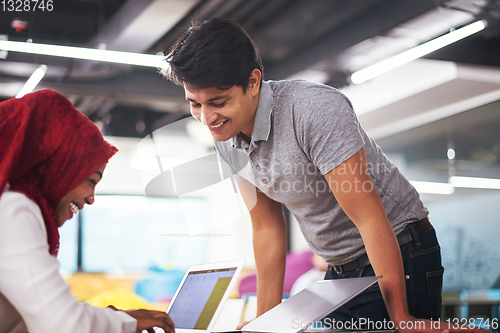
{"type": "Point", "coordinates": [232, 110]}
{"type": "Point", "coordinates": [304, 148]}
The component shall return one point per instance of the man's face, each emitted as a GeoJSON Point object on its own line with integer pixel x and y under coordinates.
{"type": "Point", "coordinates": [226, 112]}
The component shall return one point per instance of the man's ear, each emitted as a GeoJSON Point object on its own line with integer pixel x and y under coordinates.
{"type": "Point", "coordinates": [254, 81]}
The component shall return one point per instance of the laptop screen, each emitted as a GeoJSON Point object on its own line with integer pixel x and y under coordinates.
{"type": "Point", "coordinates": [199, 297]}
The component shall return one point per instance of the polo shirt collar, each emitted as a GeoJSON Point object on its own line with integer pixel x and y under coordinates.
{"type": "Point", "coordinates": [262, 125]}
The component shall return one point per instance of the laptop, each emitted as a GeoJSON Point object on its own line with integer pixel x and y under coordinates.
{"type": "Point", "coordinates": [298, 312]}
{"type": "Point", "coordinates": [201, 295]}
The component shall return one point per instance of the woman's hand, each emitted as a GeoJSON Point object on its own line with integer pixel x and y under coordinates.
{"type": "Point", "coordinates": [243, 324]}
{"type": "Point", "coordinates": [147, 319]}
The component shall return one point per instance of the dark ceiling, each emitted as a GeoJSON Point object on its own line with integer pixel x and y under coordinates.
{"type": "Point", "coordinates": [71, 22]}
{"type": "Point", "coordinates": [292, 36]}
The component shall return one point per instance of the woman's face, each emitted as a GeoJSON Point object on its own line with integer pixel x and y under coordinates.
{"type": "Point", "coordinates": [75, 199]}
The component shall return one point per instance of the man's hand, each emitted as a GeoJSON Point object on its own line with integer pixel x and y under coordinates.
{"type": "Point", "coordinates": [147, 319]}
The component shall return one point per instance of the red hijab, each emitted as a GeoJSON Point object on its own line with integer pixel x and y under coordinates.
{"type": "Point", "coordinates": [47, 148]}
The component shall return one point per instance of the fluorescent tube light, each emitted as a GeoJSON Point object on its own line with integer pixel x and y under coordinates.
{"type": "Point", "coordinates": [33, 81]}
{"type": "Point", "coordinates": [433, 187]}
{"type": "Point", "coordinates": [475, 182]}
{"type": "Point", "coordinates": [127, 58]}
{"type": "Point", "coordinates": [416, 52]}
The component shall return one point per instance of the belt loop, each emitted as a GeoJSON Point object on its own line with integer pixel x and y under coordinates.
{"type": "Point", "coordinates": [414, 234]}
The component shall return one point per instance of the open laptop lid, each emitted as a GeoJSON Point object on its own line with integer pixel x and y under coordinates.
{"type": "Point", "coordinates": [310, 305]}
{"type": "Point", "coordinates": [200, 296]}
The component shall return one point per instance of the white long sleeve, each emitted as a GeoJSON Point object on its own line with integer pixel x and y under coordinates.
{"type": "Point", "coordinates": [30, 279]}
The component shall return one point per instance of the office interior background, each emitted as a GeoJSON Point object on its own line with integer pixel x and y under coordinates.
{"type": "Point", "coordinates": [437, 117]}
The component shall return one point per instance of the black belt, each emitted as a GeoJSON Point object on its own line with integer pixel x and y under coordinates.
{"type": "Point", "coordinates": [412, 232]}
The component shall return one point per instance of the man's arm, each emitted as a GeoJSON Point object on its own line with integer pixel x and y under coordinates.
{"type": "Point", "coordinates": [364, 207]}
{"type": "Point", "coordinates": [269, 242]}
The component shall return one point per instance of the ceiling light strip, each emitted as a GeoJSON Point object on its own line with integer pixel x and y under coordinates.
{"type": "Point", "coordinates": [416, 52]}
{"type": "Point", "coordinates": [475, 182]}
{"type": "Point", "coordinates": [432, 187]}
{"type": "Point", "coordinates": [33, 81]}
{"type": "Point", "coordinates": [119, 57]}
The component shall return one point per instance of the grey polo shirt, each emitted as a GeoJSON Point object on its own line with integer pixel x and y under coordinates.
{"type": "Point", "coordinates": [302, 131]}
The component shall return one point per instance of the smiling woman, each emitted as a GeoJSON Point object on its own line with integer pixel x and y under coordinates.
{"type": "Point", "coordinates": [75, 199]}
{"type": "Point", "coordinates": [52, 158]}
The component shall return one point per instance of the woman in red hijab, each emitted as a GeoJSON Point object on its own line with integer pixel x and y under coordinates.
{"type": "Point", "coordinates": [51, 159]}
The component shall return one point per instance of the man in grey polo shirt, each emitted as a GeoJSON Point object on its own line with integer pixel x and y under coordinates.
{"type": "Point", "coordinates": [300, 145]}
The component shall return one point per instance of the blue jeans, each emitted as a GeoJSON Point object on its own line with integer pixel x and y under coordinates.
{"type": "Point", "coordinates": [424, 281]}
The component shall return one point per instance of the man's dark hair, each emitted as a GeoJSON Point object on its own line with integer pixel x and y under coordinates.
{"type": "Point", "coordinates": [216, 53]}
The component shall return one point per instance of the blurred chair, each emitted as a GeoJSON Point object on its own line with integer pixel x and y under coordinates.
{"type": "Point", "coordinates": [297, 263]}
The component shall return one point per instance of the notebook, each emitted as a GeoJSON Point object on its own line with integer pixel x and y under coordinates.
{"type": "Point", "coordinates": [201, 295]}
{"type": "Point", "coordinates": [296, 313]}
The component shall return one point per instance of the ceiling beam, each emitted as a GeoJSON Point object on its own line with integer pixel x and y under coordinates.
{"type": "Point", "coordinates": [374, 22]}
{"type": "Point", "coordinates": [140, 86]}
{"type": "Point", "coordinates": [141, 23]}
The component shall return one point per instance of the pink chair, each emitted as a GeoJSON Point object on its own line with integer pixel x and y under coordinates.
{"type": "Point", "coordinates": [297, 263]}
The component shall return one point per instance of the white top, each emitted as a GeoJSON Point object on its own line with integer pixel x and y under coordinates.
{"type": "Point", "coordinates": [30, 281]}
